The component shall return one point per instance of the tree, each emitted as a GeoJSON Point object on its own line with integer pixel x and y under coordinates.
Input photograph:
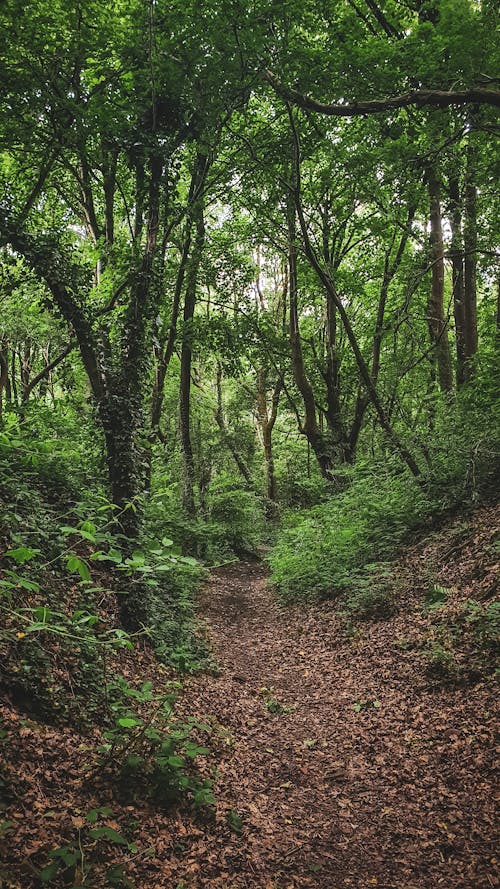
{"type": "Point", "coordinates": [122, 112]}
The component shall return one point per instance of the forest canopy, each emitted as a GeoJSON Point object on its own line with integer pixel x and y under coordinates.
{"type": "Point", "coordinates": [247, 247]}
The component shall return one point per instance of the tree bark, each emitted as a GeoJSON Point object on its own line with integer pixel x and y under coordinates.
{"type": "Point", "coordinates": [437, 321]}
{"type": "Point", "coordinates": [167, 345]}
{"type": "Point", "coordinates": [470, 250]}
{"type": "Point", "coordinates": [309, 427]}
{"type": "Point", "coordinates": [267, 422]}
{"type": "Point", "coordinates": [4, 374]}
{"type": "Point", "coordinates": [420, 98]}
{"type": "Point", "coordinates": [227, 438]}
{"type": "Point", "coordinates": [458, 282]}
{"type": "Point", "coordinates": [46, 371]}
{"type": "Point", "coordinates": [187, 345]}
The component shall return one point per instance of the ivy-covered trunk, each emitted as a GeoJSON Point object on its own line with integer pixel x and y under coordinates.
{"type": "Point", "coordinates": [123, 425]}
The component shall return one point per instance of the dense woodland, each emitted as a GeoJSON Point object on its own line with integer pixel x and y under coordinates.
{"type": "Point", "coordinates": [249, 345]}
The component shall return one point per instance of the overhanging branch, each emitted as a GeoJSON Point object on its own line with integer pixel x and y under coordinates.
{"type": "Point", "coordinates": [419, 98]}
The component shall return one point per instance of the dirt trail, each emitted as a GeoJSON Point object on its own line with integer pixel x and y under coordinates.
{"type": "Point", "coordinates": [341, 764]}
{"type": "Point", "coordinates": [347, 768]}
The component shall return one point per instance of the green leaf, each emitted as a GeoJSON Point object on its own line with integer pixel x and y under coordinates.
{"type": "Point", "coordinates": [82, 618]}
{"type": "Point", "coordinates": [75, 565]}
{"type": "Point", "coordinates": [93, 814]}
{"type": "Point", "coordinates": [128, 721]}
{"type": "Point", "coordinates": [22, 554]}
{"type": "Point", "coordinates": [108, 833]}
{"type": "Point", "coordinates": [20, 580]}
{"type": "Point", "coordinates": [192, 750]}
{"type": "Point", "coordinates": [235, 821]}
{"type": "Point", "coordinates": [48, 873]}
{"type": "Point", "coordinates": [68, 529]}
{"type": "Point", "coordinates": [203, 796]}
{"type": "Point", "coordinates": [67, 855]}
{"type": "Point", "coordinates": [88, 527]}
{"type": "Point", "coordinates": [117, 877]}
{"type": "Point", "coordinates": [176, 762]}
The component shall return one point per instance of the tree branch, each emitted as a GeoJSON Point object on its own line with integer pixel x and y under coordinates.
{"type": "Point", "coordinates": [47, 370]}
{"type": "Point", "coordinates": [420, 98]}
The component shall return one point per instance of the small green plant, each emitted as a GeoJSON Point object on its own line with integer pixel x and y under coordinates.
{"type": "Point", "coordinates": [441, 661]}
{"type": "Point", "coordinates": [339, 547]}
{"type": "Point", "coordinates": [271, 704]}
{"type": "Point", "coordinates": [436, 597]}
{"type": "Point", "coordinates": [73, 862]}
{"type": "Point", "coordinates": [367, 704]}
{"type": "Point", "coordinates": [150, 750]}
{"type": "Point", "coordinates": [485, 621]}
{"type": "Point", "coordinates": [370, 592]}
{"type": "Point", "coordinates": [235, 821]}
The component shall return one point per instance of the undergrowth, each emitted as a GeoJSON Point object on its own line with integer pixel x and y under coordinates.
{"type": "Point", "coordinates": [326, 550]}
{"type": "Point", "coordinates": [341, 545]}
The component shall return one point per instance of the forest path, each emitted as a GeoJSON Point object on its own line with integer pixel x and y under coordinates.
{"type": "Point", "coordinates": [346, 767]}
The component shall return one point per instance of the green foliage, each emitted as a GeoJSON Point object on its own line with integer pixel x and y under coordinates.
{"type": "Point", "coordinates": [271, 703]}
{"type": "Point", "coordinates": [52, 593]}
{"type": "Point", "coordinates": [318, 551]}
{"type": "Point", "coordinates": [484, 620]}
{"type": "Point", "coordinates": [462, 644]}
{"type": "Point", "coordinates": [235, 821]}
{"type": "Point", "coordinates": [465, 446]}
{"type": "Point", "coordinates": [232, 523]}
{"type": "Point", "coordinates": [441, 662]}
{"type": "Point", "coordinates": [296, 487]}
{"type": "Point", "coordinates": [361, 705]}
{"type": "Point", "coordinates": [76, 862]}
{"type": "Point", "coordinates": [235, 518]}
{"type": "Point", "coordinates": [435, 597]}
{"type": "Point", "coordinates": [151, 752]}
{"type": "Point", "coordinates": [370, 592]}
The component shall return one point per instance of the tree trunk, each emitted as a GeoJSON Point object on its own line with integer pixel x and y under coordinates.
{"type": "Point", "coordinates": [310, 428]}
{"type": "Point", "coordinates": [166, 348]}
{"type": "Point", "coordinates": [4, 374]}
{"type": "Point", "coordinates": [46, 371]}
{"type": "Point", "coordinates": [122, 419]}
{"type": "Point", "coordinates": [267, 421]}
{"type": "Point", "coordinates": [436, 316]}
{"type": "Point", "coordinates": [470, 250]}
{"type": "Point", "coordinates": [333, 410]}
{"type": "Point", "coordinates": [227, 438]}
{"type": "Point", "coordinates": [458, 283]}
{"type": "Point", "coordinates": [187, 348]}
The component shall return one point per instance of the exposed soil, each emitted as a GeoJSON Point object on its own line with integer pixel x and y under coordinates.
{"type": "Point", "coordinates": [341, 762]}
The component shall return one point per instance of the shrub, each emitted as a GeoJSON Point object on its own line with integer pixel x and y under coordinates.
{"type": "Point", "coordinates": [318, 549]}
{"type": "Point", "coordinates": [231, 524]}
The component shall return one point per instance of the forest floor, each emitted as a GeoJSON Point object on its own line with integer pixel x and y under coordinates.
{"type": "Point", "coordinates": [342, 759]}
